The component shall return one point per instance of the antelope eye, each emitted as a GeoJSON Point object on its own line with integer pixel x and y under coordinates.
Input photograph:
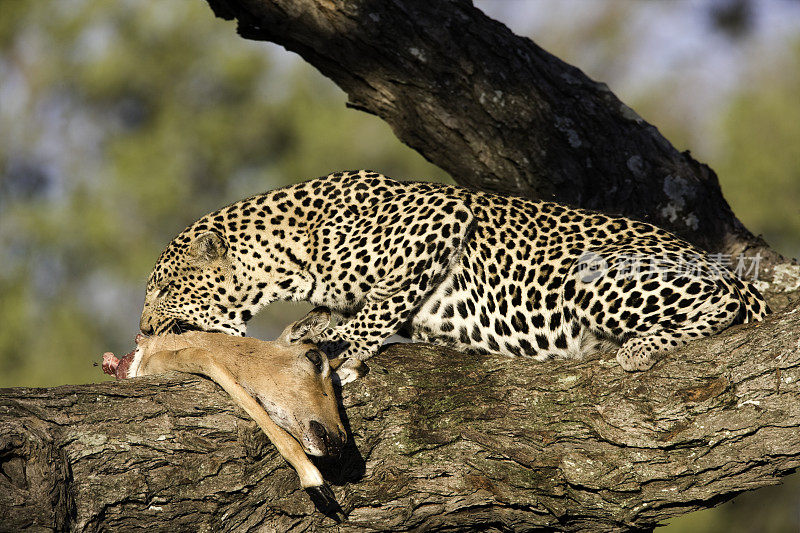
{"type": "Point", "coordinates": [316, 359]}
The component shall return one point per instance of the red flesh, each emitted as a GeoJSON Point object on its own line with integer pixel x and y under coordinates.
{"type": "Point", "coordinates": [117, 367]}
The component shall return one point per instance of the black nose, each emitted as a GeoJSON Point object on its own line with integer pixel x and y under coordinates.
{"type": "Point", "coordinates": [333, 445]}
{"type": "Point", "coordinates": [147, 330]}
{"type": "Point", "coordinates": [318, 430]}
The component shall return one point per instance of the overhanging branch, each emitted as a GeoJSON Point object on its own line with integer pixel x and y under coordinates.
{"type": "Point", "coordinates": [499, 113]}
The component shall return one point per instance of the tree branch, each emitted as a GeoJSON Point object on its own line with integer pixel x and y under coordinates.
{"type": "Point", "coordinates": [441, 440]}
{"type": "Point", "coordinates": [499, 113]}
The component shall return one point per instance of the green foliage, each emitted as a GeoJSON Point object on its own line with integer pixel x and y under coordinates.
{"type": "Point", "coordinates": [760, 169]}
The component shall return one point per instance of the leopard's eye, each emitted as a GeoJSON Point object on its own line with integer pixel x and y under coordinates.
{"type": "Point", "coordinates": [164, 290]}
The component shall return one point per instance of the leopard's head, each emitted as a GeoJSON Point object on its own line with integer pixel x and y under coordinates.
{"type": "Point", "coordinates": [197, 284]}
{"type": "Point", "coordinates": [226, 266]}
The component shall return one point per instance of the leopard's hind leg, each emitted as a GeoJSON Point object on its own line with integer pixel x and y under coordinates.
{"type": "Point", "coordinates": [649, 300]}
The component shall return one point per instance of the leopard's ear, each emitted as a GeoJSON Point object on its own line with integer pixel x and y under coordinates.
{"type": "Point", "coordinates": [208, 247]}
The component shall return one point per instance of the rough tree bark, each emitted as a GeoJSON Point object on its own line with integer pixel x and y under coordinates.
{"type": "Point", "coordinates": [441, 440]}
{"type": "Point", "coordinates": [445, 440]}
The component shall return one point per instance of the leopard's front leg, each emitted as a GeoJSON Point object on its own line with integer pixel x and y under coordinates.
{"type": "Point", "coordinates": [416, 236]}
{"type": "Point", "coordinates": [387, 306]}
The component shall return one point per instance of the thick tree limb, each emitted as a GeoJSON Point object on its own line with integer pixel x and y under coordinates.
{"type": "Point", "coordinates": [442, 441]}
{"type": "Point", "coordinates": [497, 112]}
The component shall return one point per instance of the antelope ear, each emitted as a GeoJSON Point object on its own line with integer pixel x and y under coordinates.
{"type": "Point", "coordinates": [307, 328]}
{"type": "Point", "coordinates": [207, 247]}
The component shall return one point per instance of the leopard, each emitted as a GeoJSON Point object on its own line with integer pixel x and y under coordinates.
{"type": "Point", "coordinates": [467, 269]}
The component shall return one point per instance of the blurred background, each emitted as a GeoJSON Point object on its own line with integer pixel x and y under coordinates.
{"type": "Point", "coordinates": [122, 122]}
